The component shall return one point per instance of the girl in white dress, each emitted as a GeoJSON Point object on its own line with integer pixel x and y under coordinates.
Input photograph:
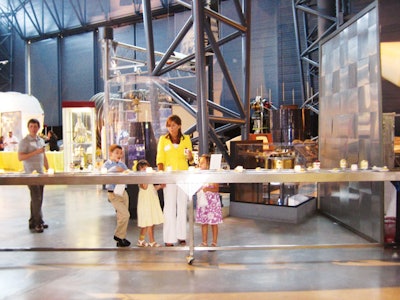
{"type": "Point", "coordinates": [149, 211]}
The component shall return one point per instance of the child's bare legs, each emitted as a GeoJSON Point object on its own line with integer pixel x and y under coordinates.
{"type": "Point", "coordinates": [204, 233]}
{"type": "Point", "coordinates": [150, 233]}
{"type": "Point", "coordinates": [214, 229]}
{"type": "Point", "coordinates": [142, 234]}
{"type": "Point", "coordinates": [141, 242]}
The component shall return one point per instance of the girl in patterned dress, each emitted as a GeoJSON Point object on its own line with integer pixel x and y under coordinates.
{"type": "Point", "coordinates": [210, 214]}
{"type": "Point", "coordinates": [149, 211]}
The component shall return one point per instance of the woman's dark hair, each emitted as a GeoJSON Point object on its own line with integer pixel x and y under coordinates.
{"type": "Point", "coordinates": [53, 134]}
{"type": "Point", "coordinates": [177, 120]}
{"type": "Point", "coordinates": [142, 163]}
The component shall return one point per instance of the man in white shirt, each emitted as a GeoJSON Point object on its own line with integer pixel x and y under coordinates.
{"type": "Point", "coordinates": [10, 142]}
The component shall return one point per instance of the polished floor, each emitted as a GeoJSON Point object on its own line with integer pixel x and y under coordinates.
{"type": "Point", "coordinates": [76, 258]}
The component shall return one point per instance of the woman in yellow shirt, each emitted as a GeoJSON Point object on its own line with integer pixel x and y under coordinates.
{"type": "Point", "coordinates": [174, 152]}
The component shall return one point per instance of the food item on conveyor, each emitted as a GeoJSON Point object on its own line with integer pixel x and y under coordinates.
{"type": "Point", "coordinates": [343, 163]}
{"type": "Point", "coordinates": [364, 164]}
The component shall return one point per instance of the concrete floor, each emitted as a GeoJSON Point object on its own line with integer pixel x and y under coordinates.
{"type": "Point", "coordinates": [76, 257]}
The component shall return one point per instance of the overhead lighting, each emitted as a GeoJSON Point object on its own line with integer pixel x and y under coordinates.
{"type": "Point", "coordinates": [137, 4]}
{"type": "Point", "coordinates": [390, 62]}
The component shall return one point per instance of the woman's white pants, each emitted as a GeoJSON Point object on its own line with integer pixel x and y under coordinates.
{"type": "Point", "coordinates": [175, 211]}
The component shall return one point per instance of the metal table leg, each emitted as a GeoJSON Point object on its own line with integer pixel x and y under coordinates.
{"type": "Point", "coordinates": [397, 236]}
{"type": "Point", "coordinates": [190, 257]}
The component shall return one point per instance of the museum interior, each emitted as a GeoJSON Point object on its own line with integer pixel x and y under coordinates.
{"type": "Point", "coordinates": [296, 101]}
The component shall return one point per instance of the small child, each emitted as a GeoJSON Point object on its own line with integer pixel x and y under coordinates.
{"type": "Point", "coordinates": [211, 214]}
{"type": "Point", "coordinates": [149, 211]}
{"type": "Point", "coordinates": [120, 201]}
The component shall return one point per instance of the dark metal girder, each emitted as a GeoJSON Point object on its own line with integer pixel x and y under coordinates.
{"type": "Point", "coordinates": [190, 57]}
{"type": "Point", "coordinates": [184, 30]}
{"type": "Point", "coordinates": [34, 21]}
{"type": "Point", "coordinates": [78, 12]}
{"type": "Point", "coordinates": [220, 145]}
{"type": "Point", "coordinates": [211, 104]}
{"type": "Point", "coordinates": [308, 55]}
{"type": "Point", "coordinates": [219, 17]}
{"type": "Point", "coordinates": [315, 13]}
{"type": "Point", "coordinates": [178, 99]}
{"type": "Point", "coordinates": [10, 16]}
{"type": "Point", "coordinates": [55, 16]}
{"type": "Point", "coordinates": [225, 71]}
{"type": "Point", "coordinates": [201, 78]}
{"type": "Point", "coordinates": [225, 20]}
{"type": "Point", "coordinates": [86, 27]}
{"type": "Point", "coordinates": [217, 119]}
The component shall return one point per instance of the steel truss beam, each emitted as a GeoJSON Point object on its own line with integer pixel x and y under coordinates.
{"type": "Point", "coordinates": [205, 41]}
{"type": "Point", "coordinates": [308, 15]}
{"type": "Point", "coordinates": [36, 20]}
{"type": "Point", "coordinates": [6, 55]}
{"type": "Point", "coordinates": [207, 112]}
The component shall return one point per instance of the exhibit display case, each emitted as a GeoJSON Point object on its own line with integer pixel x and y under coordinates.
{"type": "Point", "coordinates": [79, 135]}
{"type": "Point", "coordinates": [130, 125]}
{"type": "Point", "coordinates": [253, 154]}
{"type": "Point", "coordinates": [136, 109]}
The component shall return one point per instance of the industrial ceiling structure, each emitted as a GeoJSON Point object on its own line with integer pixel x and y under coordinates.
{"type": "Point", "coordinates": [206, 42]}
{"type": "Point", "coordinates": [35, 20]}
{"type": "Point", "coordinates": [41, 19]}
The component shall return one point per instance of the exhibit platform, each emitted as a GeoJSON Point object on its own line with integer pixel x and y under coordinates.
{"type": "Point", "coordinates": [275, 213]}
{"type": "Point", "coordinates": [9, 161]}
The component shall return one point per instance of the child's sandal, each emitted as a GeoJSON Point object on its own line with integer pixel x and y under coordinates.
{"type": "Point", "coordinates": [212, 245]}
{"type": "Point", "coordinates": [203, 244]}
{"type": "Point", "coordinates": [142, 243]}
{"type": "Point", "coordinates": [154, 244]}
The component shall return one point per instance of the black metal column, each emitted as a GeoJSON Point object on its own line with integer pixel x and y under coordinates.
{"type": "Point", "coordinates": [201, 79]}
{"type": "Point", "coordinates": [246, 48]}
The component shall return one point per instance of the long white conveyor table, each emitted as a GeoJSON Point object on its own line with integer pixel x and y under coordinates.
{"type": "Point", "coordinates": [194, 179]}
{"type": "Point", "coordinates": [199, 177]}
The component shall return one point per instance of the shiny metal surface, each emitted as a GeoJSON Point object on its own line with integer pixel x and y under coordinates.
{"type": "Point", "coordinates": [76, 257]}
{"type": "Point", "coordinates": [350, 104]}
{"type": "Point", "coordinates": [192, 180]}
{"type": "Point", "coordinates": [350, 121]}
{"type": "Point", "coordinates": [200, 177]}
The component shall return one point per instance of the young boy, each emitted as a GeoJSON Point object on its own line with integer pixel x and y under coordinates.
{"type": "Point", "coordinates": [119, 201]}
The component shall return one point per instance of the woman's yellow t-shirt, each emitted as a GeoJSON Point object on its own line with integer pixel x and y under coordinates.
{"type": "Point", "coordinates": [173, 155]}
